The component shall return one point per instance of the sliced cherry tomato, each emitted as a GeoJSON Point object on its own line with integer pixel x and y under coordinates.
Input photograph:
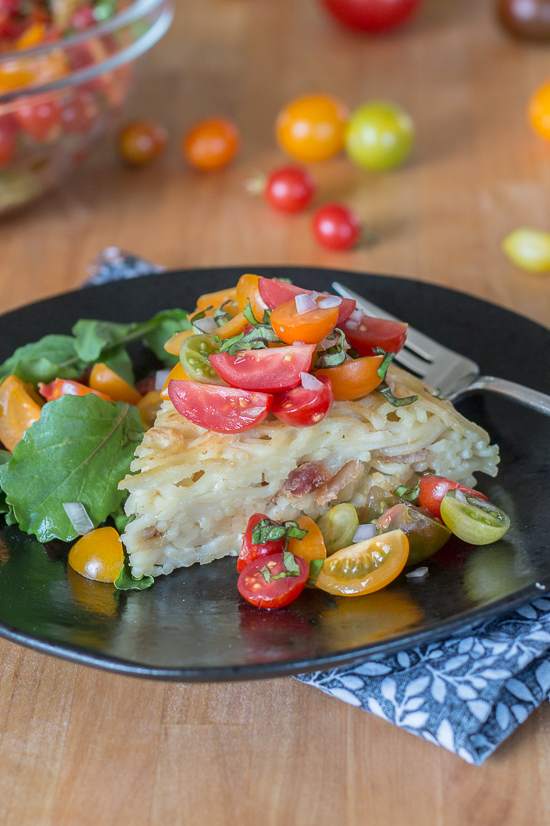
{"type": "Point", "coordinates": [40, 117]}
{"type": "Point", "coordinates": [366, 566]}
{"type": "Point", "coordinates": [250, 551]}
{"type": "Point", "coordinates": [211, 144]}
{"type": "Point", "coordinates": [177, 372]}
{"type": "Point", "coordinates": [267, 583]}
{"type": "Point", "coordinates": [20, 407]}
{"type": "Point", "coordinates": [195, 353]}
{"type": "Point", "coordinates": [303, 408]}
{"type": "Point", "coordinates": [105, 380]}
{"type": "Point", "coordinates": [372, 15]}
{"type": "Point", "coordinates": [66, 387]}
{"type": "Point", "coordinates": [247, 290]}
{"type": "Point", "coordinates": [367, 333]}
{"type": "Point", "coordinates": [221, 409]}
{"type": "Point", "coordinates": [217, 298]}
{"type": "Point", "coordinates": [310, 327]}
{"type": "Point", "coordinates": [312, 545]}
{"type": "Point", "coordinates": [235, 327]}
{"type": "Point", "coordinates": [173, 344]}
{"type": "Point", "coordinates": [353, 379]}
{"type": "Point", "coordinates": [275, 292]}
{"type": "Point", "coordinates": [312, 128]}
{"type": "Point", "coordinates": [98, 555]}
{"type": "Point", "coordinates": [289, 189]}
{"type": "Point", "coordinates": [142, 141]}
{"type": "Point", "coordinates": [269, 370]}
{"type": "Point", "coordinates": [432, 489]}
{"type": "Point", "coordinates": [336, 227]}
{"type": "Point", "coordinates": [149, 406]}
{"type": "Point", "coordinates": [426, 535]}
{"type": "Point", "coordinates": [473, 519]}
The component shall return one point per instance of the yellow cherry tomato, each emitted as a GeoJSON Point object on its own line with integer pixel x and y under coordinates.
{"type": "Point", "coordinates": [149, 406]}
{"type": "Point", "coordinates": [31, 36]}
{"type": "Point", "coordinates": [233, 327]}
{"type": "Point", "coordinates": [173, 344]}
{"type": "Point", "coordinates": [248, 290]}
{"type": "Point", "coordinates": [538, 111]}
{"type": "Point", "coordinates": [176, 372]}
{"type": "Point", "coordinates": [218, 298]}
{"type": "Point", "coordinates": [353, 379]}
{"type": "Point", "coordinates": [310, 328]}
{"type": "Point", "coordinates": [366, 566]}
{"type": "Point", "coordinates": [20, 406]}
{"type": "Point", "coordinates": [312, 546]}
{"type": "Point", "coordinates": [98, 555]}
{"type": "Point", "coordinates": [529, 249]}
{"type": "Point", "coordinates": [312, 128]}
{"type": "Point", "coordinates": [105, 380]}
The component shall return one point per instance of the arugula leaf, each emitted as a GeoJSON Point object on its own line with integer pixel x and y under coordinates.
{"type": "Point", "coordinates": [121, 520]}
{"type": "Point", "coordinates": [78, 451]}
{"type": "Point", "coordinates": [53, 356]}
{"type": "Point", "coordinates": [120, 363]}
{"type": "Point", "coordinates": [92, 337]}
{"type": "Point", "coordinates": [166, 324]}
{"type": "Point", "coordinates": [5, 457]}
{"type": "Point", "coordinates": [126, 581]}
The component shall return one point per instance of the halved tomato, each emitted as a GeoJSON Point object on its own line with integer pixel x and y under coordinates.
{"type": "Point", "coordinates": [368, 332]}
{"type": "Point", "coordinates": [221, 409]}
{"type": "Point", "coordinates": [301, 407]}
{"type": "Point", "coordinates": [247, 291]}
{"type": "Point", "coordinates": [275, 293]}
{"type": "Point", "coordinates": [366, 566]}
{"type": "Point", "coordinates": [67, 387]}
{"type": "Point", "coordinates": [353, 379]}
{"type": "Point", "coordinates": [268, 583]}
{"type": "Point", "coordinates": [432, 489]}
{"type": "Point", "coordinates": [269, 370]}
{"type": "Point", "coordinates": [310, 327]}
{"type": "Point", "coordinates": [250, 551]}
{"type": "Point", "coordinates": [312, 545]}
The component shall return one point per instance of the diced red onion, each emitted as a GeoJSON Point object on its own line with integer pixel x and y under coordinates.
{"type": "Point", "coordinates": [418, 573]}
{"type": "Point", "coordinates": [296, 343]}
{"type": "Point", "coordinates": [364, 532]}
{"type": "Point", "coordinates": [315, 295]}
{"type": "Point", "coordinates": [356, 317]}
{"type": "Point", "coordinates": [461, 498]}
{"type": "Point", "coordinates": [309, 382]}
{"type": "Point", "coordinates": [304, 303]}
{"type": "Point", "coordinates": [160, 378]}
{"type": "Point", "coordinates": [207, 325]}
{"type": "Point", "coordinates": [78, 517]}
{"type": "Point", "coordinates": [329, 302]}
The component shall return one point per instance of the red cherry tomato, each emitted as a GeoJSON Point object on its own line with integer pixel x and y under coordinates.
{"type": "Point", "coordinates": [222, 409]}
{"type": "Point", "coordinates": [8, 145]}
{"type": "Point", "coordinates": [39, 118]}
{"type": "Point", "coordinates": [300, 407]}
{"type": "Point", "coordinates": [336, 227]}
{"type": "Point", "coordinates": [258, 586]}
{"type": "Point", "coordinates": [368, 333]}
{"type": "Point", "coordinates": [289, 189]}
{"type": "Point", "coordinates": [250, 552]}
{"type": "Point", "coordinates": [78, 113]}
{"type": "Point", "coordinates": [66, 387]}
{"type": "Point", "coordinates": [83, 18]}
{"type": "Point", "coordinates": [372, 15]}
{"type": "Point", "coordinates": [211, 144]}
{"type": "Point", "coordinates": [269, 370]}
{"type": "Point", "coordinates": [434, 488]}
{"type": "Point", "coordinates": [274, 293]}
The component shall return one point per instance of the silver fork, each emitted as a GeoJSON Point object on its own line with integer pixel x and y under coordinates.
{"type": "Point", "coordinates": [448, 372]}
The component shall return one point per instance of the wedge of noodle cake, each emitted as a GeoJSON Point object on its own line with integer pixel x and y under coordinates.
{"type": "Point", "coordinates": [192, 490]}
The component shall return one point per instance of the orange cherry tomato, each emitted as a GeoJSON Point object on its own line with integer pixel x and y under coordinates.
{"type": "Point", "coordinates": [177, 373]}
{"type": "Point", "coordinates": [98, 555]}
{"type": "Point", "coordinates": [217, 299]}
{"type": "Point", "coordinates": [173, 344]}
{"type": "Point", "coordinates": [538, 111]}
{"type": "Point", "coordinates": [20, 406]}
{"type": "Point", "coordinates": [211, 144]}
{"type": "Point", "coordinates": [66, 387]}
{"type": "Point", "coordinates": [149, 406]}
{"type": "Point", "coordinates": [105, 380]}
{"type": "Point", "coordinates": [366, 566]}
{"type": "Point", "coordinates": [247, 290]}
{"type": "Point", "coordinates": [32, 35]}
{"type": "Point", "coordinates": [353, 379]}
{"type": "Point", "coordinates": [312, 546]}
{"type": "Point", "coordinates": [311, 327]}
{"type": "Point", "coordinates": [233, 327]}
{"type": "Point", "coordinates": [312, 128]}
{"type": "Point", "coordinates": [141, 141]}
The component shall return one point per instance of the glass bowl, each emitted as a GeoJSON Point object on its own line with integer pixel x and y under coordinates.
{"type": "Point", "coordinates": [57, 98]}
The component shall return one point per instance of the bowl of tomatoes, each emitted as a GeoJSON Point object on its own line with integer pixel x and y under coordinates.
{"type": "Point", "coordinates": [66, 68]}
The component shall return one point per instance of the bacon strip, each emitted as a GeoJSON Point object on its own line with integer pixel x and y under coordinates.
{"type": "Point", "coordinates": [345, 476]}
{"type": "Point", "coordinates": [305, 478]}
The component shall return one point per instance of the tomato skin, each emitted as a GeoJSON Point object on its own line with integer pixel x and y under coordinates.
{"type": "Point", "coordinates": [67, 387]}
{"type": "Point", "coordinates": [372, 15]}
{"type": "Point", "coordinates": [269, 370]}
{"type": "Point", "coordinates": [353, 379]}
{"type": "Point", "coordinates": [221, 409]}
{"type": "Point", "coordinates": [289, 189]}
{"type": "Point", "coordinates": [40, 118]}
{"type": "Point", "coordinates": [8, 145]}
{"type": "Point", "coordinates": [366, 566]}
{"type": "Point", "coordinates": [336, 227]}
{"type": "Point", "coordinates": [247, 290]}
{"type": "Point", "coordinates": [211, 144]}
{"type": "Point", "coordinates": [311, 128]}
{"type": "Point", "coordinates": [311, 327]}
{"type": "Point", "coordinates": [380, 135]}
{"type": "Point", "coordinates": [538, 111]}
{"type": "Point", "coordinates": [250, 552]}
{"type": "Point", "coordinates": [304, 408]}
{"type": "Point", "coordinates": [275, 293]}
{"type": "Point", "coordinates": [371, 332]}
{"type": "Point", "coordinates": [278, 592]}
{"type": "Point", "coordinates": [142, 141]}
{"type": "Point", "coordinates": [432, 489]}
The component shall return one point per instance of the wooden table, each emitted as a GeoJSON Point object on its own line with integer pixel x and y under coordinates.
{"type": "Point", "coordinates": [82, 747]}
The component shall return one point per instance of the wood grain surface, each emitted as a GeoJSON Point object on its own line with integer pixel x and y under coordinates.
{"type": "Point", "coordinates": [80, 747]}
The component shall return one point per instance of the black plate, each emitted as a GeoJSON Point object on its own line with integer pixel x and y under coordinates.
{"type": "Point", "coordinates": [192, 625]}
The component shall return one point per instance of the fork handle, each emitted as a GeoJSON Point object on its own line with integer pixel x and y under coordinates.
{"type": "Point", "coordinates": [517, 392]}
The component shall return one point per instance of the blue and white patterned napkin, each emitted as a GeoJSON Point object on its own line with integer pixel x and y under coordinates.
{"type": "Point", "coordinates": [467, 693]}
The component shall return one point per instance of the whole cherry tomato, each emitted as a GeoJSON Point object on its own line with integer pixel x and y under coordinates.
{"type": "Point", "coordinates": [8, 131]}
{"type": "Point", "coordinates": [372, 15]}
{"type": "Point", "coordinates": [304, 406]}
{"type": "Point", "coordinates": [141, 141]}
{"type": "Point", "coordinates": [380, 135]}
{"type": "Point", "coordinates": [267, 582]}
{"type": "Point", "coordinates": [432, 489]}
{"type": "Point", "coordinates": [250, 551]}
{"type": "Point", "coordinates": [40, 118]}
{"type": "Point", "coordinates": [336, 227]}
{"type": "Point", "coordinates": [211, 144]}
{"type": "Point", "coordinates": [289, 189]}
{"type": "Point", "coordinates": [538, 111]}
{"type": "Point", "coordinates": [312, 128]}
{"type": "Point", "coordinates": [529, 19]}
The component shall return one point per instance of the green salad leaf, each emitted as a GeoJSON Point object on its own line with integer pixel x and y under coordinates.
{"type": "Point", "coordinates": [49, 358]}
{"type": "Point", "coordinates": [126, 581]}
{"type": "Point", "coordinates": [78, 451]}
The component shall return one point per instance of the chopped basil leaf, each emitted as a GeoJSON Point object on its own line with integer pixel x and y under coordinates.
{"type": "Point", "coordinates": [249, 315]}
{"type": "Point", "coordinates": [388, 358]}
{"type": "Point", "coordinates": [314, 570]}
{"type": "Point", "coordinates": [290, 563]}
{"type": "Point", "coordinates": [266, 530]}
{"type": "Point", "coordinates": [266, 573]}
{"type": "Point", "coordinates": [393, 400]}
{"type": "Point", "coordinates": [254, 340]}
{"type": "Point", "coordinates": [336, 354]}
{"type": "Point", "coordinates": [293, 531]}
{"type": "Point", "coordinates": [408, 494]}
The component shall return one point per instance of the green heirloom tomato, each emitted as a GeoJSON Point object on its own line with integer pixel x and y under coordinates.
{"type": "Point", "coordinates": [379, 135]}
{"type": "Point", "coordinates": [426, 535]}
{"type": "Point", "coordinates": [194, 357]}
{"type": "Point", "coordinates": [378, 501]}
{"type": "Point", "coordinates": [473, 520]}
{"type": "Point", "coordinates": [528, 249]}
{"type": "Point", "coordinates": [338, 526]}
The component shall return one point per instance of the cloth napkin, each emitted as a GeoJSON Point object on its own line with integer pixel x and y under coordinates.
{"type": "Point", "coordinates": [466, 693]}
